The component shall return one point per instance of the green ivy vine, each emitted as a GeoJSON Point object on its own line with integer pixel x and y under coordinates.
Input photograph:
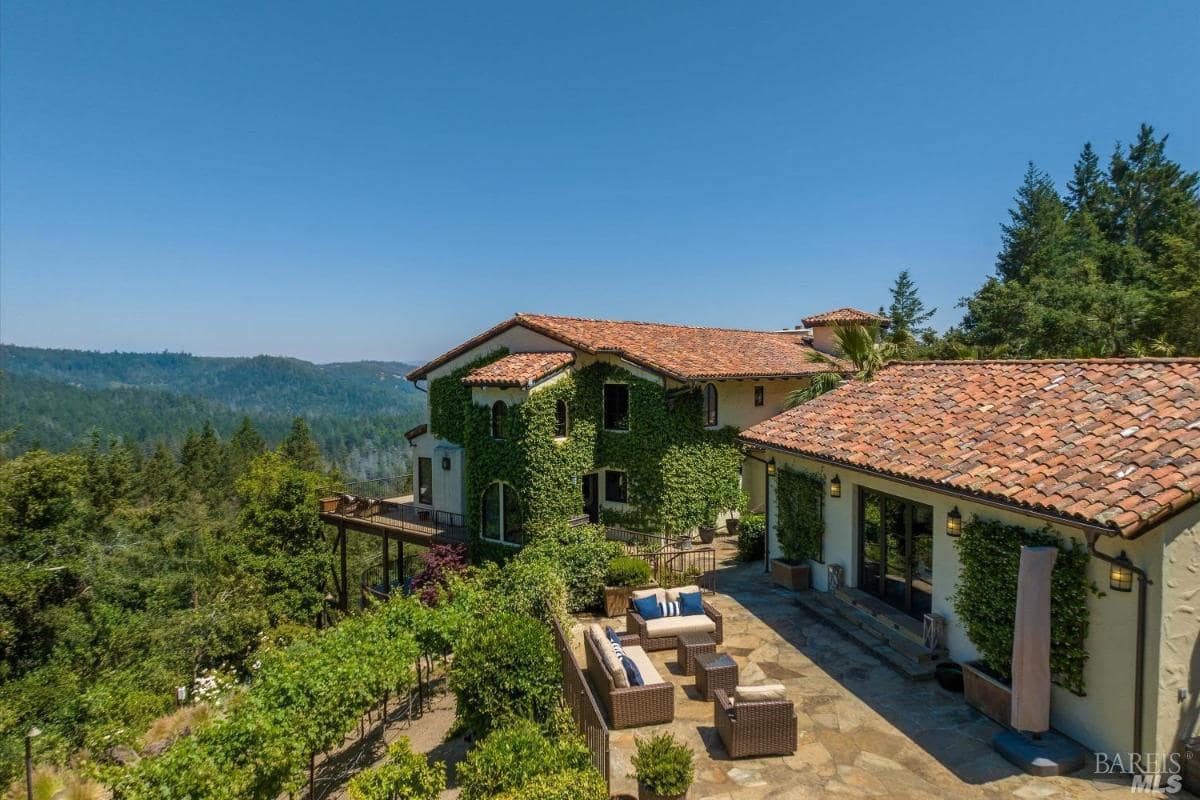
{"type": "Point", "coordinates": [449, 399]}
{"type": "Point", "coordinates": [801, 527]}
{"type": "Point", "coordinates": [680, 474]}
{"type": "Point", "coordinates": [985, 599]}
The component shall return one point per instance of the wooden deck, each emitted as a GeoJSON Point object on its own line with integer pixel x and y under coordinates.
{"type": "Point", "coordinates": [401, 520]}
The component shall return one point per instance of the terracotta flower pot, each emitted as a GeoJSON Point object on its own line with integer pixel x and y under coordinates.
{"type": "Point", "coordinates": [987, 693]}
{"type": "Point", "coordinates": [789, 575]}
{"type": "Point", "coordinates": [646, 794]}
{"type": "Point", "coordinates": [707, 534]}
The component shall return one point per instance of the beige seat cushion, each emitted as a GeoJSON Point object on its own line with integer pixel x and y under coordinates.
{"type": "Point", "coordinates": [638, 656]}
{"type": "Point", "coordinates": [613, 664]}
{"type": "Point", "coordinates": [673, 594]}
{"type": "Point", "coordinates": [673, 626]}
{"type": "Point", "coordinates": [597, 633]}
{"type": "Point", "coordinates": [657, 593]}
{"type": "Point", "coordinates": [758, 694]}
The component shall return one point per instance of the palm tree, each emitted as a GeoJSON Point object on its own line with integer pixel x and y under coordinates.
{"type": "Point", "coordinates": [862, 346]}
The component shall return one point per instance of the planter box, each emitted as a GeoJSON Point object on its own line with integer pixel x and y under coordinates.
{"type": "Point", "coordinates": [789, 575]}
{"type": "Point", "coordinates": [987, 693]}
{"type": "Point", "coordinates": [329, 504]}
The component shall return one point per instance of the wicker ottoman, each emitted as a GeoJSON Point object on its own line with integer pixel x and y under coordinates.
{"type": "Point", "coordinates": [715, 671]}
{"type": "Point", "coordinates": [690, 645]}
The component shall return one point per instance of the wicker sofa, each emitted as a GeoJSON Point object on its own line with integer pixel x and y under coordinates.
{"type": "Point", "coordinates": [759, 728]}
{"type": "Point", "coordinates": [660, 634]}
{"type": "Point", "coordinates": [629, 706]}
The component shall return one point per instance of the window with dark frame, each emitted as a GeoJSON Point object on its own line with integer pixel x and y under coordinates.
{"type": "Point", "coordinates": [499, 419]}
{"type": "Point", "coordinates": [561, 419]}
{"type": "Point", "coordinates": [758, 395]}
{"type": "Point", "coordinates": [710, 405]}
{"type": "Point", "coordinates": [501, 515]}
{"type": "Point", "coordinates": [616, 486]}
{"type": "Point", "coordinates": [616, 407]}
{"type": "Point", "coordinates": [425, 481]}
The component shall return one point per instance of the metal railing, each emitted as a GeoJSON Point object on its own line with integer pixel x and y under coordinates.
{"type": "Point", "coordinates": [579, 698]}
{"type": "Point", "coordinates": [672, 559]}
{"type": "Point", "coordinates": [372, 580]}
{"type": "Point", "coordinates": [375, 488]}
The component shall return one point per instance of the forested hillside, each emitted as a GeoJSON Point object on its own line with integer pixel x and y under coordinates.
{"type": "Point", "coordinates": [358, 411]}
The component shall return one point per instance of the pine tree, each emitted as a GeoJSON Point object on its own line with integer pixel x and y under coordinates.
{"type": "Point", "coordinates": [299, 448]}
{"type": "Point", "coordinates": [907, 312]}
{"type": "Point", "coordinates": [1031, 240]}
{"type": "Point", "coordinates": [244, 446]}
{"type": "Point", "coordinates": [203, 460]}
{"type": "Point", "coordinates": [1086, 190]}
{"type": "Point", "coordinates": [159, 478]}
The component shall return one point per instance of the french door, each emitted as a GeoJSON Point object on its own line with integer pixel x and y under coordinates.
{"type": "Point", "coordinates": [895, 553]}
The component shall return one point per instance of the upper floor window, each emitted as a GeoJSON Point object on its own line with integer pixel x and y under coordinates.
{"type": "Point", "coordinates": [710, 405]}
{"type": "Point", "coordinates": [561, 419]}
{"type": "Point", "coordinates": [499, 419]}
{"type": "Point", "coordinates": [616, 406]}
{"type": "Point", "coordinates": [501, 515]}
{"type": "Point", "coordinates": [616, 486]}
{"type": "Point", "coordinates": [758, 396]}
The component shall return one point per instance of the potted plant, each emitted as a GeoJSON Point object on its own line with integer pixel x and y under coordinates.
{"type": "Point", "coordinates": [708, 529]}
{"type": "Point", "coordinates": [986, 690]}
{"type": "Point", "coordinates": [733, 524]}
{"type": "Point", "coordinates": [625, 573]}
{"type": "Point", "coordinates": [663, 768]}
{"type": "Point", "coordinates": [799, 527]}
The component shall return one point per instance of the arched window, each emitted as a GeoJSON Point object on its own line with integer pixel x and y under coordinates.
{"type": "Point", "coordinates": [501, 514]}
{"type": "Point", "coordinates": [499, 419]}
{"type": "Point", "coordinates": [710, 405]}
{"type": "Point", "coordinates": [561, 419]}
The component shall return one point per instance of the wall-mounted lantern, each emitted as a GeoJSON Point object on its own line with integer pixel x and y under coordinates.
{"type": "Point", "coordinates": [954, 522]}
{"type": "Point", "coordinates": [1120, 574]}
{"type": "Point", "coordinates": [835, 487]}
{"type": "Point", "coordinates": [771, 469]}
{"type": "Point", "coordinates": [446, 462]}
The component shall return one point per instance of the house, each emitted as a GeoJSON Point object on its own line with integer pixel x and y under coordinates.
{"type": "Point", "coordinates": [544, 418]}
{"type": "Point", "coordinates": [1102, 456]}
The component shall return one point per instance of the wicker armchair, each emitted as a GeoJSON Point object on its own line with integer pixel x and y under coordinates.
{"type": "Point", "coordinates": [635, 623]}
{"type": "Point", "coordinates": [634, 706]}
{"type": "Point", "coordinates": [760, 728]}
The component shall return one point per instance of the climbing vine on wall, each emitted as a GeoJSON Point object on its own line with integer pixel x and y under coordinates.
{"type": "Point", "coordinates": [986, 597]}
{"type": "Point", "coordinates": [801, 526]}
{"type": "Point", "coordinates": [449, 399]}
{"type": "Point", "coordinates": [679, 474]}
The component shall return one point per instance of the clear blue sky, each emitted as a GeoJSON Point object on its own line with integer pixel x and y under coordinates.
{"type": "Point", "coordinates": [339, 181]}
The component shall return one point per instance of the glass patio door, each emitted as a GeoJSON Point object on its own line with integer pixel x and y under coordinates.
{"type": "Point", "coordinates": [896, 551]}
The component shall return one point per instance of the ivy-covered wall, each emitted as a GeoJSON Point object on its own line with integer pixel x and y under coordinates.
{"type": "Point", "coordinates": [680, 475]}
{"type": "Point", "coordinates": [801, 526]}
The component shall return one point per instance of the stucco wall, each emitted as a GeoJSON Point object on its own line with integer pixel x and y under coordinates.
{"type": "Point", "coordinates": [447, 484]}
{"type": "Point", "coordinates": [735, 400]}
{"type": "Point", "coordinates": [1179, 654]}
{"type": "Point", "coordinates": [517, 339]}
{"type": "Point", "coordinates": [1103, 719]}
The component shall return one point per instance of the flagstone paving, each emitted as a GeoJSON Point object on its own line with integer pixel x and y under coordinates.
{"type": "Point", "coordinates": [864, 730]}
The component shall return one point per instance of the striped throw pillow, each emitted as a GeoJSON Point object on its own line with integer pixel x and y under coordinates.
{"type": "Point", "coordinates": [618, 650]}
{"type": "Point", "coordinates": [671, 609]}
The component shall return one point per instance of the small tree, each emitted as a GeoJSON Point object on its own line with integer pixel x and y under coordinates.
{"type": "Point", "coordinates": [404, 776]}
{"type": "Point", "coordinates": [861, 346]}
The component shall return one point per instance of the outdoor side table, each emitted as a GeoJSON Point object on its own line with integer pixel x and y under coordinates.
{"type": "Point", "coordinates": [690, 645]}
{"type": "Point", "coordinates": [715, 671]}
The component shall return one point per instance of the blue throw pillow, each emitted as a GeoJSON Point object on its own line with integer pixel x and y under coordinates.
{"type": "Point", "coordinates": [647, 607]}
{"type": "Point", "coordinates": [690, 604]}
{"type": "Point", "coordinates": [614, 640]}
{"type": "Point", "coordinates": [632, 672]}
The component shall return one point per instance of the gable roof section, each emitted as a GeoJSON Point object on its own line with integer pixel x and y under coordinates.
{"type": "Point", "coordinates": [1113, 443]}
{"type": "Point", "coordinates": [681, 352]}
{"type": "Point", "coordinates": [519, 369]}
{"type": "Point", "coordinates": [846, 316]}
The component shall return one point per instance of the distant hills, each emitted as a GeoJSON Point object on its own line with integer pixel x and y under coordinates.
{"type": "Point", "coordinates": [358, 410]}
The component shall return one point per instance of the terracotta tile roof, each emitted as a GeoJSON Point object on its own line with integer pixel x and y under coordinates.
{"type": "Point", "coordinates": [682, 352]}
{"type": "Point", "coordinates": [1107, 442]}
{"type": "Point", "coordinates": [519, 369]}
{"type": "Point", "coordinates": [844, 316]}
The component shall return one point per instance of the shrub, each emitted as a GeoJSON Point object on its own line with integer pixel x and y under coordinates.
{"type": "Point", "coordinates": [751, 537]}
{"type": "Point", "coordinates": [404, 776]}
{"type": "Point", "coordinates": [526, 587]}
{"type": "Point", "coordinates": [581, 554]}
{"type": "Point", "coordinates": [575, 784]}
{"type": "Point", "coordinates": [986, 596]}
{"type": "Point", "coordinates": [801, 523]}
{"type": "Point", "coordinates": [514, 755]}
{"type": "Point", "coordinates": [510, 669]}
{"type": "Point", "coordinates": [663, 765]}
{"type": "Point", "coordinates": [441, 562]}
{"type": "Point", "coordinates": [628, 571]}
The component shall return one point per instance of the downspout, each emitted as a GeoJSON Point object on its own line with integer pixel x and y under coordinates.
{"type": "Point", "coordinates": [766, 510]}
{"type": "Point", "coordinates": [1139, 670]}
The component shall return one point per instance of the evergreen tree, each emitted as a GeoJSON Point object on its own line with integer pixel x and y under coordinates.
{"type": "Point", "coordinates": [1086, 190]}
{"type": "Point", "coordinates": [299, 448]}
{"type": "Point", "coordinates": [203, 461]}
{"type": "Point", "coordinates": [907, 312]}
{"type": "Point", "coordinates": [159, 478]}
{"type": "Point", "coordinates": [245, 445]}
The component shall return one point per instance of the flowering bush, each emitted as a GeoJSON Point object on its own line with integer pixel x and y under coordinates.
{"type": "Point", "coordinates": [442, 561]}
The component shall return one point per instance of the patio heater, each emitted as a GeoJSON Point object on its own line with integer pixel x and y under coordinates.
{"type": "Point", "coordinates": [1029, 743]}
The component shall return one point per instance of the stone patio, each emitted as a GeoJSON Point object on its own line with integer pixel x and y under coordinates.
{"type": "Point", "coordinates": [864, 731]}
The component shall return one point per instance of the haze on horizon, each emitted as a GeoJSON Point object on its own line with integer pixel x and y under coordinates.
{"type": "Point", "coordinates": [385, 182]}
